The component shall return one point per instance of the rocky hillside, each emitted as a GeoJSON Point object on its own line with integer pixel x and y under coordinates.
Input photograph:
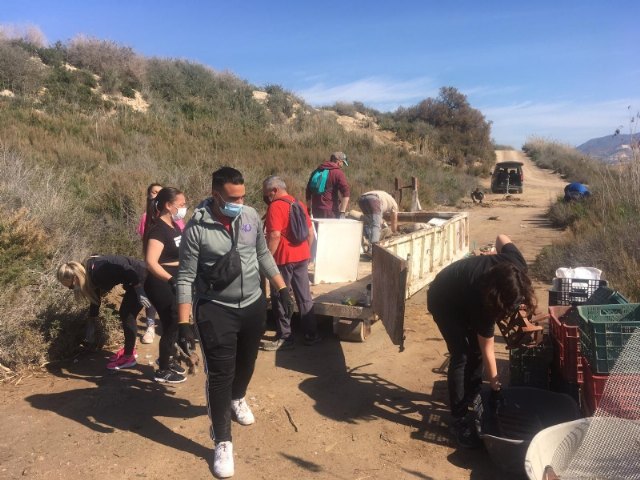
{"type": "Point", "coordinates": [612, 148]}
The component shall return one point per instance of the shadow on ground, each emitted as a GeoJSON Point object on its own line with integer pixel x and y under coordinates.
{"type": "Point", "coordinates": [353, 395]}
{"type": "Point", "coordinates": [124, 401]}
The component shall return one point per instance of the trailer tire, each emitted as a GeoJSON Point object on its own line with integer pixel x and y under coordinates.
{"type": "Point", "coordinates": [351, 330]}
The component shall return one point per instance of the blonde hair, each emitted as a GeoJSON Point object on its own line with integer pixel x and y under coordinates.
{"type": "Point", "coordinates": [70, 270]}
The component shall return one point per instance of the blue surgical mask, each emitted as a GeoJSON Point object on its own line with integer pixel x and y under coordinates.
{"type": "Point", "coordinates": [231, 210]}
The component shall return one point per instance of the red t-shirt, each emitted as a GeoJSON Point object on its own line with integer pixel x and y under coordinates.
{"type": "Point", "coordinates": [224, 220]}
{"type": "Point", "coordinates": [278, 221]}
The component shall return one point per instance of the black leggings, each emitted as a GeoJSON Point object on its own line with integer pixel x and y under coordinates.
{"type": "Point", "coordinates": [464, 376]}
{"type": "Point", "coordinates": [164, 300]}
{"type": "Point", "coordinates": [129, 309]}
{"type": "Point", "coordinates": [230, 338]}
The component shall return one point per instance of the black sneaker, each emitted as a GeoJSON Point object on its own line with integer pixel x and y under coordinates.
{"type": "Point", "coordinates": [168, 376]}
{"type": "Point", "coordinates": [278, 345]}
{"type": "Point", "coordinates": [312, 339]}
{"type": "Point", "coordinates": [465, 433]}
{"type": "Point", "coordinates": [176, 367]}
{"type": "Point", "coordinates": [173, 366]}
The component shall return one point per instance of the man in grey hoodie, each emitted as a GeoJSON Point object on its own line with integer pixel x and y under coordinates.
{"type": "Point", "coordinates": [229, 309]}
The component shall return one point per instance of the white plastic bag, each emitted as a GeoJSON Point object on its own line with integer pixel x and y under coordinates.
{"type": "Point", "coordinates": [584, 273]}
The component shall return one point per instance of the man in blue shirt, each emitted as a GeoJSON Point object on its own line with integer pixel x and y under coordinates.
{"type": "Point", "coordinates": [576, 191]}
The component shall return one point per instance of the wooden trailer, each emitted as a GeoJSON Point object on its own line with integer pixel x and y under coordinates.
{"type": "Point", "coordinates": [400, 266]}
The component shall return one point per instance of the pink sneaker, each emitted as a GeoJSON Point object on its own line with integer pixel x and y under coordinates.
{"type": "Point", "coordinates": [125, 361]}
{"type": "Point", "coordinates": [120, 353]}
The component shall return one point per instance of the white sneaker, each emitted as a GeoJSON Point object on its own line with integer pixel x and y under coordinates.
{"type": "Point", "coordinates": [223, 460]}
{"type": "Point", "coordinates": [242, 412]}
{"type": "Point", "coordinates": [149, 334]}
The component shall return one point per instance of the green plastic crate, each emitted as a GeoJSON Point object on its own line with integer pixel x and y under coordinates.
{"type": "Point", "coordinates": [604, 331]}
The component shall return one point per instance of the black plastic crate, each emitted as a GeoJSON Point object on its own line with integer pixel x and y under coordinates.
{"type": "Point", "coordinates": [530, 367]}
{"type": "Point", "coordinates": [606, 296]}
{"type": "Point", "coordinates": [573, 291]}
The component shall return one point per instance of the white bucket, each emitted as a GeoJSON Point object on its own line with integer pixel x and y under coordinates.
{"type": "Point", "coordinates": [558, 444]}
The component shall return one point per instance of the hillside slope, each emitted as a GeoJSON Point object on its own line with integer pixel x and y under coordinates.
{"type": "Point", "coordinates": [612, 148]}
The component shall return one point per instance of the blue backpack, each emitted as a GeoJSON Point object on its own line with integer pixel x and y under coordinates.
{"type": "Point", "coordinates": [318, 181]}
{"type": "Point", "coordinates": [298, 230]}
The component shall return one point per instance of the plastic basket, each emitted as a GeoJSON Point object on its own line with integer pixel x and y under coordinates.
{"type": "Point", "coordinates": [606, 296]}
{"type": "Point", "coordinates": [559, 383]}
{"type": "Point", "coordinates": [529, 367]}
{"type": "Point", "coordinates": [573, 291]}
{"type": "Point", "coordinates": [623, 403]}
{"type": "Point", "coordinates": [604, 331]}
{"type": "Point", "coordinates": [563, 326]}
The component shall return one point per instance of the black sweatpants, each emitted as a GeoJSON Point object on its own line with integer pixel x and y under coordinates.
{"type": "Point", "coordinates": [163, 299]}
{"type": "Point", "coordinates": [229, 338]}
{"type": "Point", "coordinates": [129, 309]}
{"type": "Point", "coordinates": [464, 376]}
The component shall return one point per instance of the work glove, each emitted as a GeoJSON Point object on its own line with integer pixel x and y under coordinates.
{"type": "Point", "coordinates": [142, 296]}
{"type": "Point", "coordinates": [341, 215]}
{"type": "Point", "coordinates": [287, 301]}
{"type": "Point", "coordinates": [496, 400]}
{"type": "Point", "coordinates": [172, 284]}
{"type": "Point", "coordinates": [186, 340]}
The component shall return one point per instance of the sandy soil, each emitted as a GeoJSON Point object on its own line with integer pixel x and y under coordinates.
{"type": "Point", "coordinates": [332, 411]}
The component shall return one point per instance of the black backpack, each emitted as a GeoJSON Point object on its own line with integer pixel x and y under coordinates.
{"type": "Point", "coordinates": [298, 228]}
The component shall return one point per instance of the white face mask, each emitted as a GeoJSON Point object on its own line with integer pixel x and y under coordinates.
{"type": "Point", "coordinates": [180, 214]}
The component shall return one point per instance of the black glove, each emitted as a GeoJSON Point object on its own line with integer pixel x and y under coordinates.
{"type": "Point", "coordinates": [496, 400]}
{"type": "Point", "coordinates": [287, 301]}
{"type": "Point", "coordinates": [186, 340]}
{"type": "Point", "coordinates": [172, 284]}
{"type": "Point", "coordinates": [90, 331]}
{"type": "Point", "coordinates": [341, 215]}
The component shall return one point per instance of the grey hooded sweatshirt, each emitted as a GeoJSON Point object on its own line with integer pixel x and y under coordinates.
{"type": "Point", "coordinates": [205, 240]}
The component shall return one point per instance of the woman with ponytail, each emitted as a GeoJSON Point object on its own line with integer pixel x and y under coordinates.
{"type": "Point", "coordinates": [96, 276]}
{"type": "Point", "coordinates": [161, 246]}
{"type": "Point", "coordinates": [150, 332]}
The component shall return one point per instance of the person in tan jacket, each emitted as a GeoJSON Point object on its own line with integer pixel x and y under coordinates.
{"type": "Point", "coordinates": [374, 204]}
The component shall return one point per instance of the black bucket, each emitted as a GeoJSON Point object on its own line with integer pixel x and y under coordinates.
{"type": "Point", "coordinates": [508, 433]}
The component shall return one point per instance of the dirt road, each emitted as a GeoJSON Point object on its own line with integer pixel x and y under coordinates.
{"type": "Point", "coordinates": [331, 411]}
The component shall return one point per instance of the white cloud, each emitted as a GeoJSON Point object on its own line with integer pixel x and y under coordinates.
{"type": "Point", "coordinates": [572, 122]}
{"type": "Point", "coordinates": [568, 122]}
{"type": "Point", "coordinates": [376, 92]}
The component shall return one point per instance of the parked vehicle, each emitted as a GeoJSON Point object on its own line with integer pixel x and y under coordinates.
{"type": "Point", "coordinates": [507, 177]}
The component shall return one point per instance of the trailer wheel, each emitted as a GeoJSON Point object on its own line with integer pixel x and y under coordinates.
{"type": "Point", "coordinates": [351, 330]}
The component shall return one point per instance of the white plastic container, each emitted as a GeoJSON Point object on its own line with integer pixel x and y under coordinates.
{"type": "Point", "coordinates": [558, 444]}
{"type": "Point", "coordinates": [337, 250]}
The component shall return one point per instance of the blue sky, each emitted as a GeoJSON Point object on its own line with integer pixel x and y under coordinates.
{"type": "Point", "coordinates": [561, 70]}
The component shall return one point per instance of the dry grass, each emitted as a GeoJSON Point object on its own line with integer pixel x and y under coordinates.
{"type": "Point", "coordinates": [76, 166]}
{"type": "Point", "coordinates": [603, 231]}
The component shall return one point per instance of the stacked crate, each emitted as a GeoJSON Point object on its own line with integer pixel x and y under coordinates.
{"type": "Point", "coordinates": [568, 367]}
{"type": "Point", "coordinates": [604, 331]}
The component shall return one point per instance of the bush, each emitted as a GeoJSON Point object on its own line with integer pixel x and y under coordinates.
{"type": "Point", "coordinates": [19, 72]}
{"type": "Point", "coordinates": [573, 165]}
{"type": "Point", "coordinates": [602, 231]}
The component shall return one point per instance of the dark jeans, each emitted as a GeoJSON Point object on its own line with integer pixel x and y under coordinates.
{"type": "Point", "coordinates": [129, 309]}
{"type": "Point", "coordinates": [296, 276]}
{"type": "Point", "coordinates": [370, 206]}
{"type": "Point", "coordinates": [464, 376]}
{"type": "Point", "coordinates": [163, 299]}
{"type": "Point", "coordinates": [317, 213]}
{"type": "Point", "coordinates": [229, 338]}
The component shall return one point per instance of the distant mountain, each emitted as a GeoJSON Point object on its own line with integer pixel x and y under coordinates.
{"type": "Point", "coordinates": [612, 148]}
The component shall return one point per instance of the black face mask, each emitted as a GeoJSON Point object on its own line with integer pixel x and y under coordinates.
{"type": "Point", "coordinates": [266, 199]}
